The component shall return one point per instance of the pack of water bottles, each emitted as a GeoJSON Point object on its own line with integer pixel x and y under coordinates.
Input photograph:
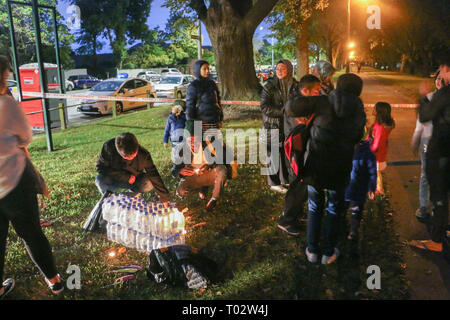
{"type": "Point", "coordinates": [142, 225]}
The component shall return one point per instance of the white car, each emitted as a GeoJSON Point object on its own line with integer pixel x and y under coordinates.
{"type": "Point", "coordinates": [173, 86]}
{"type": "Point", "coordinates": [69, 85]}
{"type": "Point", "coordinates": [151, 76]}
{"type": "Point", "coordinates": [170, 72]}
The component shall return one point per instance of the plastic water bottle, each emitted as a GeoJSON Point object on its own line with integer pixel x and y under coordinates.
{"type": "Point", "coordinates": [106, 207]}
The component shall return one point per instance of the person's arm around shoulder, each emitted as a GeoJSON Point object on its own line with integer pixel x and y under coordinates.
{"type": "Point", "coordinates": [301, 106]}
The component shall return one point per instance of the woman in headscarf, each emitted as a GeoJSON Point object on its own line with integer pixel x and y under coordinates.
{"type": "Point", "coordinates": [324, 71]}
{"type": "Point", "coordinates": [275, 94]}
{"type": "Point", "coordinates": [203, 100]}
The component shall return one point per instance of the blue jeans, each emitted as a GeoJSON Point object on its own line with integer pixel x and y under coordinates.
{"type": "Point", "coordinates": [316, 204]}
{"type": "Point", "coordinates": [424, 193]}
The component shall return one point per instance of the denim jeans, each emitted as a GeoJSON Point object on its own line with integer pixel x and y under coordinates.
{"type": "Point", "coordinates": [316, 204]}
{"type": "Point", "coordinates": [424, 193]}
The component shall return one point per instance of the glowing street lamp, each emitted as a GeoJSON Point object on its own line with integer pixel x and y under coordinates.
{"type": "Point", "coordinates": [351, 45]}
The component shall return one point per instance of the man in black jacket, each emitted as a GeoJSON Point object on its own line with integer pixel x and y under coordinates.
{"type": "Point", "coordinates": [337, 126]}
{"type": "Point", "coordinates": [438, 159]}
{"type": "Point", "coordinates": [124, 164]}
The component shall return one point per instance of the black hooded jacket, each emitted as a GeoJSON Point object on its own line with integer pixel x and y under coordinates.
{"type": "Point", "coordinates": [337, 127]}
{"type": "Point", "coordinates": [203, 99]}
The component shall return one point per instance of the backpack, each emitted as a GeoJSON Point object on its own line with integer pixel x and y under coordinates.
{"type": "Point", "coordinates": [295, 146]}
{"type": "Point", "coordinates": [179, 266]}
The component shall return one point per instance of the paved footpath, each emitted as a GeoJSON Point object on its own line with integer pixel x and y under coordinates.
{"type": "Point", "coordinates": [427, 272]}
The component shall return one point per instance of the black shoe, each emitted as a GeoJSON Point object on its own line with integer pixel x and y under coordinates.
{"type": "Point", "coordinates": [292, 229]}
{"type": "Point", "coordinates": [211, 205]}
{"type": "Point", "coordinates": [8, 286]}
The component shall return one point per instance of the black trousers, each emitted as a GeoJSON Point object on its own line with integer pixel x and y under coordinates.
{"type": "Point", "coordinates": [438, 175]}
{"type": "Point", "coordinates": [356, 210]}
{"type": "Point", "coordinates": [20, 207]}
{"type": "Point", "coordinates": [294, 202]}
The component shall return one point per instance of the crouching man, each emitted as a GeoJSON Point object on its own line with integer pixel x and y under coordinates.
{"type": "Point", "coordinates": [124, 164]}
{"type": "Point", "coordinates": [199, 175]}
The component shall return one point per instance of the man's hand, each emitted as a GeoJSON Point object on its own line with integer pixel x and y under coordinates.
{"type": "Point", "coordinates": [166, 205]}
{"type": "Point", "coordinates": [166, 145]}
{"type": "Point", "coordinates": [132, 179]}
{"type": "Point", "coordinates": [371, 195]}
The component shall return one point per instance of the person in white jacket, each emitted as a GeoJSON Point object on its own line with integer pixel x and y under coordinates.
{"type": "Point", "coordinates": [18, 196]}
{"type": "Point", "coordinates": [420, 138]}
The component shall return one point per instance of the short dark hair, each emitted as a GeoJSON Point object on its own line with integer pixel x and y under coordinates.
{"type": "Point", "coordinates": [308, 81]}
{"type": "Point", "coordinates": [351, 83]}
{"type": "Point", "coordinates": [126, 143]}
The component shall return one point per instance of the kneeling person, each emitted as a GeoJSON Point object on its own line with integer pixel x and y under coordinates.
{"type": "Point", "coordinates": [124, 164]}
{"type": "Point", "coordinates": [199, 176]}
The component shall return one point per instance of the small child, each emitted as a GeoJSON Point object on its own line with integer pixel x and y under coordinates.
{"type": "Point", "coordinates": [175, 121]}
{"type": "Point", "coordinates": [363, 183]}
{"type": "Point", "coordinates": [380, 133]}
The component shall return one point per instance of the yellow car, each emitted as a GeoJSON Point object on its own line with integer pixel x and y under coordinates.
{"type": "Point", "coordinates": [128, 88]}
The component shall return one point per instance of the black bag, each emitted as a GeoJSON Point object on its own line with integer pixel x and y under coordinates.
{"type": "Point", "coordinates": [179, 266]}
{"type": "Point", "coordinates": [295, 147]}
{"type": "Point", "coordinates": [95, 220]}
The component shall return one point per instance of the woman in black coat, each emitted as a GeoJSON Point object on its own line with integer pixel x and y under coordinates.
{"type": "Point", "coordinates": [275, 95]}
{"type": "Point", "coordinates": [203, 100]}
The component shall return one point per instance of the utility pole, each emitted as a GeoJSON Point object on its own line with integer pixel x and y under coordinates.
{"type": "Point", "coordinates": [199, 39]}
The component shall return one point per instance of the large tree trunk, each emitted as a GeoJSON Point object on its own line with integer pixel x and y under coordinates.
{"type": "Point", "coordinates": [233, 53]}
{"type": "Point", "coordinates": [301, 44]}
{"type": "Point", "coordinates": [404, 58]}
{"type": "Point", "coordinates": [231, 25]}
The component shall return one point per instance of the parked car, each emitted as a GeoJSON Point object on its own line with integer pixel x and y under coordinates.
{"type": "Point", "coordinates": [166, 87]}
{"type": "Point", "coordinates": [133, 87]}
{"type": "Point", "coordinates": [69, 85]}
{"type": "Point", "coordinates": [151, 76]}
{"type": "Point", "coordinates": [170, 71]}
{"type": "Point", "coordinates": [83, 81]}
{"type": "Point", "coordinates": [12, 86]}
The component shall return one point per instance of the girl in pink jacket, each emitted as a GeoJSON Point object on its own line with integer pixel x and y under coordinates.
{"type": "Point", "coordinates": [380, 133]}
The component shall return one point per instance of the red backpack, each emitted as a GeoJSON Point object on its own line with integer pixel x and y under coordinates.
{"type": "Point", "coordinates": [295, 146]}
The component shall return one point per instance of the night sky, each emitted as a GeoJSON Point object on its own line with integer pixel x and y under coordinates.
{"type": "Point", "coordinates": [158, 17]}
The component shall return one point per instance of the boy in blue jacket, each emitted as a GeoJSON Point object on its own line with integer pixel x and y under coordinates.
{"type": "Point", "coordinates": [175, 121]}
{"type": "Point", "coordinates": [363, 183]}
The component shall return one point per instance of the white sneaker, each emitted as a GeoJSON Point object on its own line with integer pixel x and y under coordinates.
{"type": "Point", "coordinates": [328, 260]}
{"type": "Point", "coordinates": [279, 189]}
{"type": "Point", "coordinates": [312, 257]}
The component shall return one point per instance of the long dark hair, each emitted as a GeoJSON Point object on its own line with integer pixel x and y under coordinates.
{"type": "Point", "coordinates": [4, 66]}
{"type": "Point", "coordinates": [383, 110]}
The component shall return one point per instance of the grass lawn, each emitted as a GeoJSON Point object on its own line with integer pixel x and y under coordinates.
{"type": "Point", "coordinates": [256, 259]}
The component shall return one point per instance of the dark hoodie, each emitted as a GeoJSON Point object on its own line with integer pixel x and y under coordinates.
{"type": "Point", "coordinates": [202, 99]}
{"type": "Point", "coordinates": [337, 127]}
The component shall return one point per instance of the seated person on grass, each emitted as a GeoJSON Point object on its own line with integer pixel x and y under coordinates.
{"type": "Point", "coordinates": [124, 164]}
{"type": "Point", "coordinates": [199, 175]}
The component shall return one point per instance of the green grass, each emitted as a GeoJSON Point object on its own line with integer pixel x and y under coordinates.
{"type": "Point", "coordinates": [256, 259]}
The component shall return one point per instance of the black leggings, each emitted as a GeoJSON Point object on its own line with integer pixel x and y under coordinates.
{"type": "Point", "coordinates": [20, 207]}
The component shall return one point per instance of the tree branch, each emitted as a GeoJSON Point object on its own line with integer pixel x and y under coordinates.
{"type": "Point", "coordinates": [199, 7]}
{"type": "Point", "coordinates": [258, 12]}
